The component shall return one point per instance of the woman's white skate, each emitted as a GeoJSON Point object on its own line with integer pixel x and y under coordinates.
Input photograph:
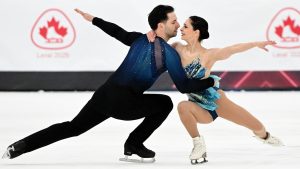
{"type": "Point", "coordinates": [198, 154]}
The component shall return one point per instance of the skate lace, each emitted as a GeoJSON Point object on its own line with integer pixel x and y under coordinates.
{"type": "Point", "coordinates": [11, 148]}
{"type": "Point", "coordinates": [198, 148]}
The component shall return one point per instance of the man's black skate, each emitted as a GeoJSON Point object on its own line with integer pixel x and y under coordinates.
{"type": "Point", "coordinates": [14, 150]}
{"type": "Point", "coordinates": [147, 156]}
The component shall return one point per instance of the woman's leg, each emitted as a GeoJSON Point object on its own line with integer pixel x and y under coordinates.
{"type": "Point", "coordinates": [190, 114]}
{"type": "Point", "coordinates": [235, 113]}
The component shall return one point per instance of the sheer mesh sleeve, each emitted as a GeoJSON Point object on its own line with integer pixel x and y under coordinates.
{"type": "Point", "coordinates": [116, 31]}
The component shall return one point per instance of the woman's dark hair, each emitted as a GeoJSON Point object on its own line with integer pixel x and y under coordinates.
{"type": "Point", "coordinates": [159, 14]}
{"type": "Point", "coordinates": [200, 24]}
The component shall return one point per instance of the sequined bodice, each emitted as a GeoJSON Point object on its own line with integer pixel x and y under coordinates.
{"type": "Point", "coordinates": [204, 98]}
{"type": "Point", "coordinates": [195, 70]}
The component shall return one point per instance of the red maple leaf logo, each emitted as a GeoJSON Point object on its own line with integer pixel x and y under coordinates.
{"type": "Point", "coordinates": [61, 31]}
{"type": "Point", "coordinates": [43, 32]}
{"type": "Point", "coordinates": [288, 23]}
{"type": "Point", "coordinates": [284, 28]}
{"type": "Point", "coordinates": [53, 30]}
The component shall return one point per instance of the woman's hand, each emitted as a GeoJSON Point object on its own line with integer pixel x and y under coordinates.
{"type": "Point", "coordinates": [151, 36]}
{"type": "Point", "coordinates": [263, 44]}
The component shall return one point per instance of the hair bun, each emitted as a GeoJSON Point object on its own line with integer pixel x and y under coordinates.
{"type": "Point", "coordinates": [205, 35]}
{"type": "Point", "coordinates": [200, 24]}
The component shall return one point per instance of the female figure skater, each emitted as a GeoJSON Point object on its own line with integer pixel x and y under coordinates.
{"type": "Point", "coordinates": [205, 106]}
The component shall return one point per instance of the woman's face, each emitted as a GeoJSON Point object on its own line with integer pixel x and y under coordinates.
{"type": "Point", "coordinates": [187, 32]}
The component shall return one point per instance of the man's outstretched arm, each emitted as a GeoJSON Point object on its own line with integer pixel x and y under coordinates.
{"type": "Point", "coordinates": [111, 29]}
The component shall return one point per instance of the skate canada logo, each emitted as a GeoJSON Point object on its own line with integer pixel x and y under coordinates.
{"type": "Point", "coordinates": [53, 30]}
{"type": "Point", "coordinates": [285, 29]}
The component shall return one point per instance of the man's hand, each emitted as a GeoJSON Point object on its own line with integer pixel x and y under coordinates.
{"type": "Point", "coordinates": [86, 16]}
{"type": "Point", "coordinates": [217, 80]}
{"type": "Point", "coordinates": [263, 44]}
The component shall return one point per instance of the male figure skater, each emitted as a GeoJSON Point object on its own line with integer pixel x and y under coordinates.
{"type": "Point", "coordinates": [122, 95]}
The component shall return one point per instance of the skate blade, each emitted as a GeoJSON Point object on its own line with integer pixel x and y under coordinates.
{"type": "Point", "coordinates": [6, 155]}
{"type": "Point", "coordinates": [276, 145]}
{"type": "Point", "coordinates": [280, 144]}
{"type": "Point", "coordinates": [142, 160]}
{"type": "Point", "coordinates": [195, 162]}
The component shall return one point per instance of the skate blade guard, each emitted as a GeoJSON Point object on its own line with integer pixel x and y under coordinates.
{"type": "Point", "coordinates": [137, 159]}
{"type": "Point", "coordinates": [198, 161]}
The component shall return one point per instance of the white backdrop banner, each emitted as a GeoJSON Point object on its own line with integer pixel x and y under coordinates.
{"type": "Point", "coordinates": [49, 36]}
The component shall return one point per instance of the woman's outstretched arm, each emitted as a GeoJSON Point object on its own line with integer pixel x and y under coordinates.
{"type": "Point", "coordinates": [225, 53]}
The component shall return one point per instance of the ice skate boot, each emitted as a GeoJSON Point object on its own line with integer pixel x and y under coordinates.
{"type": "Point", "coordinates": [271, 140]}
{"type": "Point", "coordinates": [14, 150]}
{"type": "Point", "coordinates": [146, 155]}
{"type": "Point", "coordinates": [198, 154]}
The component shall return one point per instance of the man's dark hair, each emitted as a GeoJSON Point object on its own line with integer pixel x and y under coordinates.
{"type": "Point", "coordinates": [159, 14]}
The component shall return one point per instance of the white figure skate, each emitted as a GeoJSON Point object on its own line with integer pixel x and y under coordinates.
{"type": "Point", "coordinates": [271, 140]}
{"type": "Point", "coordinates": [198, 154]}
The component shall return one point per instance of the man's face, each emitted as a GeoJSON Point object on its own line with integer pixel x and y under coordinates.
{"type": "Point", "coordinates": [171, 25]}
